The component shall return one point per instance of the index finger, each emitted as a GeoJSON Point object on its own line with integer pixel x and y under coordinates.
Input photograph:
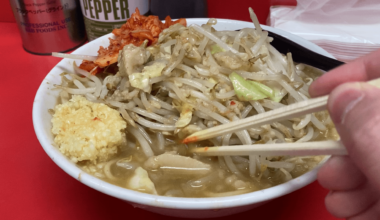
{"type": "Point", "coordinates": [362, 69]}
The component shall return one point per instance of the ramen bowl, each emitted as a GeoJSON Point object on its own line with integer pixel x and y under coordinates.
{"type": "Point", "coordinates": [46, 98]}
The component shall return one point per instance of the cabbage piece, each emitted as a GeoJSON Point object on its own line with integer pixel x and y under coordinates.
{"type": "Point", "coordinates": [131, 59]}
{"type": "Point", "coordinates": [141, 80]}
{"type": "Point", "coordinates": [211, 80]}
{"type": "Point", "coordinates": [247, 90]}
{"type": "Point", "coordinates": [140, 182]}
{"type": "Point", "coordinates": [186, 115]}
{"type": "Point", "coordinates": [216, 49]}
{"type": "Point", "coordinates": [279, 92]}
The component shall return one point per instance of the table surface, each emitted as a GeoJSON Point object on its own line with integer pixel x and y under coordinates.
{"type": "Point", "coordinates": [33, 187]}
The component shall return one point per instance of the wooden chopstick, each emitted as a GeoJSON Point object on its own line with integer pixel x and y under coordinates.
{"type": "Point", "coordinates": [291, 149]}
{"type": "Point", "coordinates": [290, 111]}
{"type": "Point", "coordinates": [74, 56]}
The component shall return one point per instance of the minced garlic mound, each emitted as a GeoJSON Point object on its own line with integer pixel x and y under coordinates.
{"type": "Point", "coordinates": [87, 131]}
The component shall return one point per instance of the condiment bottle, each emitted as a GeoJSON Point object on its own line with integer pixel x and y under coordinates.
{"type": "Point", "coordinates": [49, 25]}
{"type": "Point", "coordinates": [102, 16]}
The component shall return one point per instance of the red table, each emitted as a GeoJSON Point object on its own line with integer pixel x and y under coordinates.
{"type": "Point", "coordinates": [33, 187]}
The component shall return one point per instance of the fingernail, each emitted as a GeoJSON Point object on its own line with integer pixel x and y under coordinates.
{"type": "Point", "coordinates": [343, 99]}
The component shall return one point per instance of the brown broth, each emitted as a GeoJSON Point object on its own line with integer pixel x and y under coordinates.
{"type": "Point", "coordinates": [216, 183]}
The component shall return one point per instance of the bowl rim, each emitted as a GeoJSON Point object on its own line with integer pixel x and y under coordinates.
{"type": "Point", "coordinates": [163, 201]}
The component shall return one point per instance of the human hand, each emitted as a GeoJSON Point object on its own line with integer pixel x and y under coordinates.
{"type": "Point", "coordinates": [354, 106]}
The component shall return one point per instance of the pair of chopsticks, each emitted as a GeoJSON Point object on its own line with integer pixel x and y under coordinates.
{"type": "Point", "coordinates": [294, 149]}
{"type": "Point", "coordinates": [287, 112]}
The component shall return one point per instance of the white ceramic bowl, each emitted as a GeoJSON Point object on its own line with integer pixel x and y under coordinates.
{"type": "Point", "coordinates": [46, 98]}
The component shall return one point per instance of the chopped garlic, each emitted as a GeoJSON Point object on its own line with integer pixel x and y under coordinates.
{"type": "Point", "coordinates": [87, 131]}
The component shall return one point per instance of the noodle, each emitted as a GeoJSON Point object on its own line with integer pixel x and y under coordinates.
{"type": "Point", "coordinates": [140, 138]}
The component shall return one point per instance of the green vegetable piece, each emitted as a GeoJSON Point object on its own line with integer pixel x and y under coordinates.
{"type": "Point", "coordinates": [141, 80]}
{"type": "Point", "coordinates": [262, 88]}
{"type": "Point", "coordinates": [277, 95]}
{"type": "Point", "coordinates": [216, 49]}
{"type": "Point", "coordinates": [247, 90]}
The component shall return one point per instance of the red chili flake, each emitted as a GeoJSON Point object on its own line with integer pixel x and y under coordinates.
{"type": "Point", "coordinates": [96, 119]}
{"type": "Point", "coordinates": [206, 148]}
{"type": "Point", "coordinates": [232, 103]}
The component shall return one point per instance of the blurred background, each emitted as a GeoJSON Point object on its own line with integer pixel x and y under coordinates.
{"type": "Point", "coordinates": [345, 29]}
{"type": "Point", "coordinates": [24, 194]}
{"type": "Point", "coordinates": [215, 9]}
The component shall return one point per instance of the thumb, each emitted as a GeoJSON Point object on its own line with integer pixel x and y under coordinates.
{"type": "Point", "coordinates": [355, 111]}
